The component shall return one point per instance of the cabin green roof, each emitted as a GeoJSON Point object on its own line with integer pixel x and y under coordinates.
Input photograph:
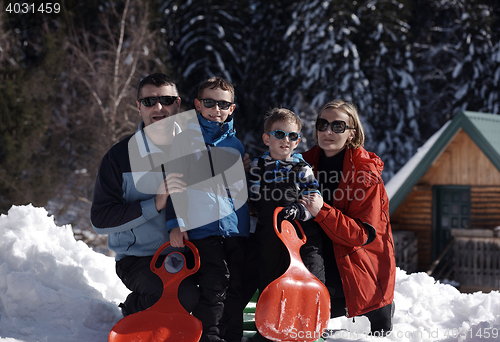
{"type": "Point", "coordinates": [482, 128]}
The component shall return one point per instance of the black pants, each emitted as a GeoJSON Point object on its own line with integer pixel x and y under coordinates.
{"type": "Point", "coordinates": [147, 287]}
{"type": "Point", "coordinates": [220, 280]}
{"type": "Point", "coordinates": [232, 321]}
{"type": "Point", "coordinates": [380, 319]}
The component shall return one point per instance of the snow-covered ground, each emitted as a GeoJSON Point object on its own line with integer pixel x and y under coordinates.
{"type": "Point", "coordinates": [56, 289]}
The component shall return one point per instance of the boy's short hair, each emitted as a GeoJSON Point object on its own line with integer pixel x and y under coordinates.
{"type": "Point", "coordinates": [158, 80]}
{"type": "Point", "coordinates": [351, 110]}
{"type": "Point", "coordinates": [216, 83]}
{"type": "Point", "coordinates": [281, 115]}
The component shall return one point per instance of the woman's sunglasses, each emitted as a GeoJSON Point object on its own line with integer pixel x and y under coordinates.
{"type": "Point", "coordinates": [153, 100]}
{"type": "Point", "coordinates": [337, 126]}
{"type": "Point", "coordinates": [280, 135]}
{"type": "Point", "coordinates": [209, 103]}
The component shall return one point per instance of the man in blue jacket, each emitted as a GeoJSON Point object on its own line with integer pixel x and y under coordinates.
{"type": "Point", "coordinates": [131, 195]}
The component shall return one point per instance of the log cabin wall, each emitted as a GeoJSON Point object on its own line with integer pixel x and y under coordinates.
{"type": "Point", "coordinates": [415, 215]}
{"type": "Point", "coordinates": [485, 207]}
{"type": "Point", "coordinates": [461, 163]}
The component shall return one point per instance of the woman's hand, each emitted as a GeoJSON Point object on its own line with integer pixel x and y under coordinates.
{"type": "Point", "coordinates": [313, 202]}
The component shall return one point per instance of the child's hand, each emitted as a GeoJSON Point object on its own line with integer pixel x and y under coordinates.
{"type": "Point", "coordinates": [177, 237]}
{"type": "Point", "coordinates": [246, 162]}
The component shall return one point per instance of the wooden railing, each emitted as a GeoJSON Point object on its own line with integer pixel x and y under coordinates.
{"type": "Point", "coordinates": [443, 267]}
{"type": "Point", "coordinates": [405, 246]}
{"type": "Point", "coordinates": [477, 259]}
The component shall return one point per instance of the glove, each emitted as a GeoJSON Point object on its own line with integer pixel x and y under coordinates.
{"type": "Point", "coordinates": [291, 212]}
{"type": "Point", "coordinates": [295, 211]}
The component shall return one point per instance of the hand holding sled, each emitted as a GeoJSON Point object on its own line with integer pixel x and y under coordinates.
{"type": "Point", "coordinates": [296, 306]}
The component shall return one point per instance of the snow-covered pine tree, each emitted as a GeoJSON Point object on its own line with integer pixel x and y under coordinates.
{"type": "Point", "coordinates": [387, 62]}
{"type": "Point", "coordinates": [458, 59]}
{"type": "Point", "coordinates": [322, 63]}
{"type": "Point", "coordinates": [357, 51]}
{"type": "Point", "coordinates": [268, 23]}
{"type": "Point", "coordinates": [204, 38]}
{"type": "Point", "coordinates": [477, 71]}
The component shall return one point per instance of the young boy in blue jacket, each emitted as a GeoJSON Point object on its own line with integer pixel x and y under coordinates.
{"type": "Point", "coordinates": [212, 213]}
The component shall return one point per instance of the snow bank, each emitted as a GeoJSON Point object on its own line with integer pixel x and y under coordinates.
{"type": "Point", "coordinates": [53, 288]}
{"type": "Point", "coordinates": [429, 311]}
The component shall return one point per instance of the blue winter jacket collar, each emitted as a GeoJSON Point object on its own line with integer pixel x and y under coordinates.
{"type": "Point", "coordinates": [213, 132]}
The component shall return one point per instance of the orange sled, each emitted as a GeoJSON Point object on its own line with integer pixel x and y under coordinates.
{"type": "Point", "coordinates": [296, 306]}
{"type": "Point", "coordinates": [166, 320]}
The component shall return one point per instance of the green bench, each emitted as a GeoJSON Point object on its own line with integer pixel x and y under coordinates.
{"type": "Point", "coordinates": [249, 328]}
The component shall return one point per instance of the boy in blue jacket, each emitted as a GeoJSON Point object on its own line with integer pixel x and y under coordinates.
{"type": "Point", "coordinates": [212, 213]}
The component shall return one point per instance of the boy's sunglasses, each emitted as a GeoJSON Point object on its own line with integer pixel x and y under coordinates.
{"type": "Point", "coordinates": [153, 100]}
{"type": "Point", "coordinates": [209, 103]}
{"type": "Point", "coordinates": [280, 135]}
{"type": "Point", "coordinates": [337, 126]}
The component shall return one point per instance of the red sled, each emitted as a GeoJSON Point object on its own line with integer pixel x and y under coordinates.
{"type": "Point", "coordinates": [296, 306]}
{"type": "Point", "coordinates": [166, 320]}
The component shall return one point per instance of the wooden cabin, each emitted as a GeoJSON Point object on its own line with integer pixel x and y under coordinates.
{"type": "Point", "coordinates": [451, 187]}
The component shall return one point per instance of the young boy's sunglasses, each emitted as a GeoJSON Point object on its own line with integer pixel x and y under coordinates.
{"type": "Point", "coordinates": [153, 100]}
{"type": "Point", "coordinates": [337, 126]}
{"type": "Point", "coordinates": [280, 135]}
{"type": "Point", "coordinates": [209, 103]}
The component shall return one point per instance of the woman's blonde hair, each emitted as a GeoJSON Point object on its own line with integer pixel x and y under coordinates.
{"type": "Point", "coordinates": [351, 110]}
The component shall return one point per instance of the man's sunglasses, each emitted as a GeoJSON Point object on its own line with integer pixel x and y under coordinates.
{"type": "Point", "coordinates": [153, 100]}
{"type": "Point", "coordinates": [337, 126]}
{"type": "Point", "coordinates": [280, 135]}
{"type": "Point", "coordinates": [209, 103]}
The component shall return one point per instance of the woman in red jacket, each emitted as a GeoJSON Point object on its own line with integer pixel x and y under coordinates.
{"type": "Point", "coordinates": [354, 216]}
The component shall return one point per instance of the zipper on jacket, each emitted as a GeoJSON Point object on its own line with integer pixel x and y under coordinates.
{"type": "Point", "coordinates": [135, 240]}
{"type": "Point", "coordinates": [210, 160]}
{"type": "Point", "coordinates": [222, 174]}
{"type": "Point", "coordinates": [225, 185]}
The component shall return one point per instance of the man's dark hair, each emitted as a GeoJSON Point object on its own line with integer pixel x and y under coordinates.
{"type": "Point", "coordinates": [157, 80]}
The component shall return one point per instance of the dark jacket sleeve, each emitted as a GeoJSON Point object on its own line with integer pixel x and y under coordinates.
{"type": "Point", "coordinates": [109, 212]}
